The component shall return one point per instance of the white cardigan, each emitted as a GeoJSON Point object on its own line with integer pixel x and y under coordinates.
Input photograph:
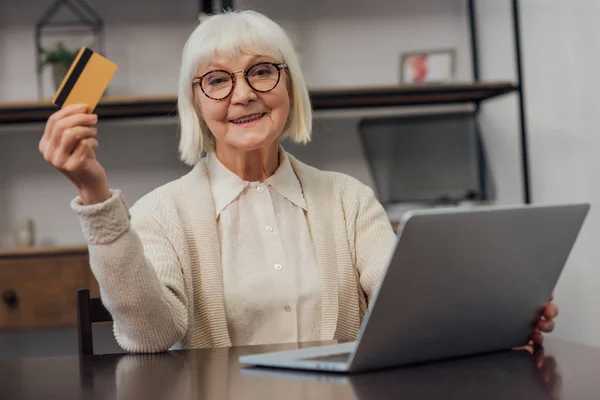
{"type": "Point", "coordinates": [159, 270]}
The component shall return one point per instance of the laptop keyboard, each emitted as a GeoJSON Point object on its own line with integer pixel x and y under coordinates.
{"type": "Point", "coordinates": [343, 358]}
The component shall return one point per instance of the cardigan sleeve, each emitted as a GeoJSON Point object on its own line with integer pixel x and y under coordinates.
{"type": "Point", "coordinates": [138, 272]}
{"type": "Point", "coordinates": [374, 240]}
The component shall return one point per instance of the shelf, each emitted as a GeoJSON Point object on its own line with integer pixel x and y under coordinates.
{"type": "Point", "coordinates": [413, 95]}
{"type": "Point", "coordinates": [108, 108]}
{"type": "Point", "coordinates": [42, 251]}
{"type": "Point", "coordinates": [322, 99]}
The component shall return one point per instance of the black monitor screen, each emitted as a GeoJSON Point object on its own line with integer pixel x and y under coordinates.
{"type": "Point", "coordinates": [425, 158]}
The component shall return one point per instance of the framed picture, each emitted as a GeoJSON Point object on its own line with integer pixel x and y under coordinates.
{"type": "Point", "coordinates": [436, 66]}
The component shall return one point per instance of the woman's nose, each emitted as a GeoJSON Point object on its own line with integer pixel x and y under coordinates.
{"type": "Point", "coordinates": [242, 92]}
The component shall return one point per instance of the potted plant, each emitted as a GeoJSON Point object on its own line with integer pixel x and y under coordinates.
{"type": "Point", "coordinates": [60, 58]}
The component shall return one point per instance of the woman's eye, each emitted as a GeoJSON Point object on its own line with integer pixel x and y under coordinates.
{"type": "Point", "coordinates": [262, 72]}
{"type": "Point", "coordinates": [216, 81]}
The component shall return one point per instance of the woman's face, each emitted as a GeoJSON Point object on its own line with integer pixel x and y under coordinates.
{"type": "Point", "coordinates": [246, 119]}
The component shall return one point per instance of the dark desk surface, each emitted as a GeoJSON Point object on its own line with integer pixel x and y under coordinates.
{"type": "Point", "coordinates": [570, 372]}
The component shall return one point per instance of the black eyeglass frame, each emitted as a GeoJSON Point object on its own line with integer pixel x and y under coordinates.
{"type": "Point", "coordinates": [279, 66]}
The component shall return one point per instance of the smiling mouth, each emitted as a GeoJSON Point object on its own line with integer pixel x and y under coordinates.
{"type": "Point", "coordinates": [250, 118]}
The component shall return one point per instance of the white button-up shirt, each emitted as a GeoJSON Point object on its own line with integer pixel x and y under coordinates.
{"type": "Point", "coordinates": [270, 274]}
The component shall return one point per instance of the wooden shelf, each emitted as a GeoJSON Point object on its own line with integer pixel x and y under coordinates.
{"type": "Point", "coordinates": [108, 108]}
{"type": "Point", "coordinates": [322, 99]}
{"type": "Point", "coordinates": [42, 251]}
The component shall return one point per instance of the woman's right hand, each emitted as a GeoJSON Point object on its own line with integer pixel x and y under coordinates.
{"type": "Point", "coordinates": [68, 145]}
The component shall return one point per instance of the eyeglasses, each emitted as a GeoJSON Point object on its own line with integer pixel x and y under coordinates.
{"type": "Point", "coordinates": [261, 77]}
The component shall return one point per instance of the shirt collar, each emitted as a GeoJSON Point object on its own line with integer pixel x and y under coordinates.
{"type": "Point", "coordinates": [226, 186]}
{"type": "Point", "coordinates": [286, 183]}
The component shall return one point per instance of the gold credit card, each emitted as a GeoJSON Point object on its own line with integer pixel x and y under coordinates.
{"type": "Point", "coordinates": [86, 80]}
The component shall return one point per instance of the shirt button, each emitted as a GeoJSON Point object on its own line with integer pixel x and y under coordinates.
{"type": "Point", "coordinates": [278, 267]}
{"type": "Point", "coordinates": [287, 308]}
{"type": "Point", "coordinates": [260, 189]}
{"type": "Point", "coordinates": [269, 228]}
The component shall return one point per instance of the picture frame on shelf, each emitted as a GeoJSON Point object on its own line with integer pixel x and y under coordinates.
{"type": "Point", "coordinates": [430, 66]}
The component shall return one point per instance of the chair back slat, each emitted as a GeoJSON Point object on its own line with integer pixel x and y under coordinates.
{"type": "Point", "coordinates": [89, 310]}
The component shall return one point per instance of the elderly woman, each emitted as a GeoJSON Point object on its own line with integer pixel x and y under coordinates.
{"type": "Point", "coordinates": [250, 247]}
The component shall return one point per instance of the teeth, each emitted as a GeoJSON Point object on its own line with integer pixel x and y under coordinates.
{"type": "Point", "coordinates": [245, 120]}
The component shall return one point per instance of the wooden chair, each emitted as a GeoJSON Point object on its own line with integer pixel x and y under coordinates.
{"type": "Point", "coordinates": [89, 310]}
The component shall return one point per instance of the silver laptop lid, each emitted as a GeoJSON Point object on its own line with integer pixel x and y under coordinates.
{"type": "Point", "coordinates": [466, 281]}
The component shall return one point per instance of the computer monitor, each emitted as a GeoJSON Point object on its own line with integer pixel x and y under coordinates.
{"type": "Point", "coordinates": [434, 159]}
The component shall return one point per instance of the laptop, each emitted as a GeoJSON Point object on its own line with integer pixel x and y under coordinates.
{"type": "Point", "coordinates": [461, 281]}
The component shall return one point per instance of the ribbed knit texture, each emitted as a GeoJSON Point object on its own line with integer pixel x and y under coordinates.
{"type": "Point", "coordinates": [159, 269]}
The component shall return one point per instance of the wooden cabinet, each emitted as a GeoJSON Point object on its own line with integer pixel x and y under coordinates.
{"type": "Point", "coordinates": [38, 286]}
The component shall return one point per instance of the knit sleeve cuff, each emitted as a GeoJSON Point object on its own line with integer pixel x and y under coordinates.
{"type": "Point", "coordinates": [104, 222]}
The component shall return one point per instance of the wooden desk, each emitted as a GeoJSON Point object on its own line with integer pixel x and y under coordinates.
{"type": "Point", "coordinates": [570, 372]}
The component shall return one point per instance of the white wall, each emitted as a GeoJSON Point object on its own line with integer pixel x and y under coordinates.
{"type": "Point", "coordinates": [357, 45]}
{"type": "Point", "coordinates": [336, 45]}
{"type": "Point", "coordinates": [561, 42]}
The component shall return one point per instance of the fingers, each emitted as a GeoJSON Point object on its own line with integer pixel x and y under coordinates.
{"type": "Point", "coordinates": [54, 118]}
{"type": "Point", "coordinates": [550, 311]}
{"type": "Point", "coordinates": [70, 140]}
{"type": "Point", "coordinates": [62, 120]}
{"type": "Point", "coordinates": [68, 122]}
{"type": "Point", "coordinates": [84, 149]}
{"type": "Point", "coordinates": [61, 136]}
{"type": "Point", "coordinates": [546, 326]}
{"type": "Point", "coordinates": [528, 348]}
{"type": "Point", "coordinates": [537, 337]}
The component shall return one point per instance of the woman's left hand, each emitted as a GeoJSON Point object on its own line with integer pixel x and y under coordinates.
{"type": "Point", "coordinates": [545, 323]}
